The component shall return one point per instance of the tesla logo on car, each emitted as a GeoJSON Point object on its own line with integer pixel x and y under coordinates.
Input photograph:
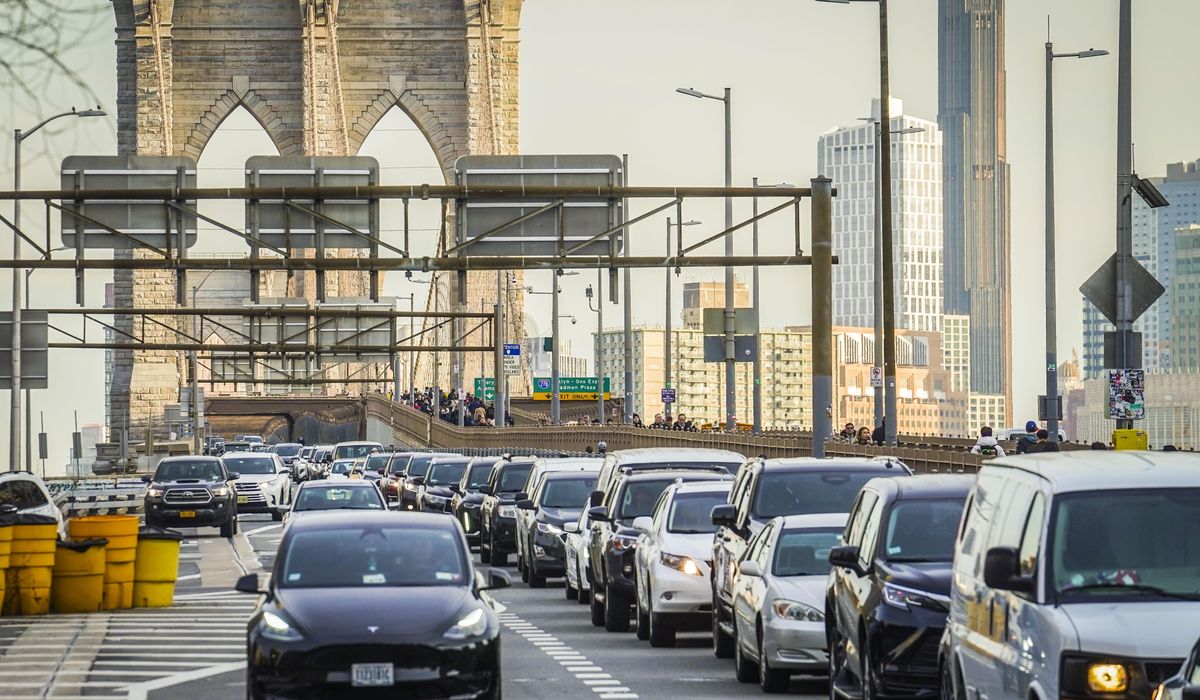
{"type": "Point", "coordinates": [373, 629]}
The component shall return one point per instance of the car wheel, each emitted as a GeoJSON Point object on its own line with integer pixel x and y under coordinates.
{"type": "Point", "coordinates": [152, 522]}
{"type": "Point", "coordinates": [948, 689]}
{"type": "Point", "coordinates": [524, 571]}
{"type": "Point", "coordinates": [277, 516]}
{"type": "Point", "coordinates": [770, 680]}
{"type": "Point", "coordinates": [643, 621]}
{"type": "Point", "coordinates": [616, 612]}
{"type": "Point", "coordinates": [597, 612]}
{"type": "Point", "coordinates": [662, 632]}
{"type": "Point", "coordinates": [229, 527]}
{"type": "Point", "coordinates": [722, 643]}
{"type": "Point", "coordinates": [485, 552]}
{"type": "Point", "coordinates": [251, 689]}
{"type": "Point", "coordinates": [836, 660]}
{"type": "Point", "coordinates": [536, 580]}
{"type": "Point", "coordinates": [572, 592]}
{"type": "Point", "coordinates": [870, 685]}
{"type": "Point", "coordinates": [498, 558]}
{"type": "Point", "coordinates": [745, 669]}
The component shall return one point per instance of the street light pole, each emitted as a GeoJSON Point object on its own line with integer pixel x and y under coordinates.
{"type": "Point", "coordinates": [555, 408]}
{"type": "Point", "coordinates": [599, 294]}
{"type": "Point", "coordinates": [14, 456]}
{"type": "Point", "coordinates": [667, 330]}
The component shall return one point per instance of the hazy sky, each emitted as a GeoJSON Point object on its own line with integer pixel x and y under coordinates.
{"type": "Point", "coordinates": [600, 78]}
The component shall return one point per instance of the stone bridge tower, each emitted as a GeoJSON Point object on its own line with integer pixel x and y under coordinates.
{"type": "Point", "coordinates": [317, 75]}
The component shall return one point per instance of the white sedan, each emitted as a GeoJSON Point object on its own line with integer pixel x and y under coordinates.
{"type": "Point", "coordinates": [674, 546]}
{"type": "Point", "coordinates": [779, 600]}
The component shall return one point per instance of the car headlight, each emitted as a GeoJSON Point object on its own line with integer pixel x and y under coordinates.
{"type": "Point", "coordinates": [472, 624]}
{"type": "Point", "coordinates": [220, 492]}
{"type": "Point", "coordinates": [549, 528]}
{"type": "Point", "coordinates": [906, 598]}
{"type": "Point", "coordinates": [277, 628]}
{"type": "Point", "coordinates": [680, 563]}
{"type": "Point", "coordinates": [1107, 678]}
{"type": "Point", "coordinates": [623, 543]}
{"type": "Point", "coordinates": [154, 493]}
{"type": "Point", "coordinates": [792, 610]}
{"type": "Point", "coordinates": [507, 511]}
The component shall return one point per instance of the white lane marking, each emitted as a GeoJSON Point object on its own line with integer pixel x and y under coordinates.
{"type": "Point", "coordinates": [257, 530]}
{"type": "Point", "coordinates": [585, 671]}
{"type": "Point", "coordinates": [140, 691]}
{"type": "Point", "coordinates": [187, 577]}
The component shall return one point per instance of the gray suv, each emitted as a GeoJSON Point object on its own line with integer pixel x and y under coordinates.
{"type": "Point", "coordinates": [192, 492]}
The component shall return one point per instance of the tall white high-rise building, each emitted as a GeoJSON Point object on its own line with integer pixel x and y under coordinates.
{"type": "Point", "coordinates": [847, 156]}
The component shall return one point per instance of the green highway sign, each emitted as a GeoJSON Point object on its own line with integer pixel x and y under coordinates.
{"type": "Point", "coordinates": [486, 388]}
{"type": "Point", "coordinates": [569, 388]}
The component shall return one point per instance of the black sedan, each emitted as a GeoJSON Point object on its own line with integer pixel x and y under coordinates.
{"type": "Point", "coordinates": [443, 475]}
{"type": "Point", "coordinates": [467, 500]}
{"type": "Point", "coordinates": [376, 604]}
{"type": "Point", "coordinates": [558, 500]}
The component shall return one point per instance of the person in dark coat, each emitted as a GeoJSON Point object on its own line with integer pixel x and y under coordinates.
{"type": "Point", "coordinates": [1043, 443]}
{"type": "Point", "coordinates": [879, 436]}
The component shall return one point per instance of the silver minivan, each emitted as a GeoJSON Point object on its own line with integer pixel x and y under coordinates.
{"type": "Point", "coordinates": [1076, 575]}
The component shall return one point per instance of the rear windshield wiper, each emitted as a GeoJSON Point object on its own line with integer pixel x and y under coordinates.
{"type": "Point", "coordinates": [1132, 587]}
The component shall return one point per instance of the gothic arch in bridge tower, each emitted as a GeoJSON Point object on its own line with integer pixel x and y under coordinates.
{"type": "Point", "coordinates": [317, 74]}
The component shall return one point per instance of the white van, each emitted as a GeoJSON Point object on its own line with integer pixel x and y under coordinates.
{"type": "Point", "coordinates": [1076, 575]}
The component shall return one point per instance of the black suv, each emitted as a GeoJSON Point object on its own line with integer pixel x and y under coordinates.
{"type": "Point", "coordinates": [498, 515]}
{"type": "Point", "coordinates": [889, 590]}
{"type": "Point", "coordinates": [558, 499]}
{"type": "Point", "coordinates": [613, 541]}
{"type": "Point", "coordinates": [439, 484]}
{"type": "Point", "coordinates": [767, 488]}
{"type": "Point", "coordinates": [467, 500]}
{"type": "Point", "coordinates": [409, 488]}
{"type": "Point", "coordinates": [192, 492]}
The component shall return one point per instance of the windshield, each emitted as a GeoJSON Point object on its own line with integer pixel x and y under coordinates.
{"type": "Point", "coordinates": [307, 452]}
{"type": "Point", "coordinates": [446, 473]}
{"type": "Point", "coordinates": [397, 463]}
{"type": "Point", "coordinates": [639, 497]}
{"type": "Point", "coordinates": [923, 530]}
{"type": "Point", "coordinates": [338, 497]}
{"type": "Point", "coordinates": [250, 465]}
{"type": "Point", "coordinates": [807, 492]}
{"type": "Point", "coordinates": [288, 449]}
{"type": "Point", "coordinates": [1106, 541]}
{"type": "Point", "coordinates": [342, 466]}
{"type": "Point", "coordinates": [567, 492]}
{"type": "Point", "coordinates": [418, 465]}
{"type": "Point", "coordinates": [804, 552]}
{"type": "Point", "coordinates": [478, 475]}
{"type": "Point", "coordinates": [344, 451]}
{"type": "Point", "coordinates": [376, 462]}
{"type": "Point", "coordinates": [356, 557]}
{"type": "Point", "coordinates": [691, 513]}
{"type": "Point", "coordinates": [513, 478]}
{"type": "Point", "coordinates": [207, 470]}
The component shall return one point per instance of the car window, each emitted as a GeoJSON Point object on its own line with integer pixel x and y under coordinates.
{"type": "Point", "coordinates": [978, 524]}
{"type": "Point", "coordinates": [22, 493]}
{"type": "Point", "coordinates": [419, 465]}
{"type": "Point", "coordinates": [250, 465]}
{"type": "Point", "coordinates": [287, 449]}
{"type": "Point", "coordinates": [922, 530]}
{"type": "Point", "coordinates": [638, 497]}
{"type": "Point", "coordinates": [341, 466]}
{"type": "Point", "coordinates": [353, 451]}
{"type": "Point", "coordinates": [1031, 539]}
{"type": "Point", "coordinates": [804, 552]}
{"type": "Point", "coordinates": [757, 543]}
{"type": "Point", "coordinates": [182, 470]}
{"type": "Point", "coordinates": [446, 473]}
{"type": "Point", "coordinates": [567, 492]}
{"type": "Point", "coordinates": [478, 475]}
{"type": "Point", "coordinates": [377, 461]}
{"type": "Point", "coordinates": [397, 463]}
{"type": "Point", "coordinates": [870, 538]}
{"type": "Point", "coordinates": [354, 557]}
{"type": "Point", "coordinates": [1016, 498]}
{"type": "Point", "coordinates": [338, 497]}
{"type": "Point", "coordinates": [513, 478]}
{"type": "Point", "coordinates": [854, 529]}
{"type": "Point", "coordinates": [807, 492]}
{"type": "Point", "coordinates": [691, 513]}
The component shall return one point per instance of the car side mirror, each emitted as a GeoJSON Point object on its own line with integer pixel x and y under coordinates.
{"type": "Point", "coordinates": [643, 524]}
{"type": "Point", "coordinates": [496, 579]}
{"type": "Point", "coordinates": [233, 476]}
{"type": "Point", "coordinates": [1002, 571]}
{"type": "Point", "coordinates": [418, 481]}
{"type": "Point", "coordinates": [525, 504]}
{"type": "Point", "coordinates": [846, 557]}
{"type": "Point", "coordinates": [724, 515]}
{"type": "Point", "coordinates": [749, 569]}
{"type": "Point", "coordinates": [248, 584]}
{"type": "Point", "coordinates": [596, 498]}
{"type": "Point", "coordinates": [455, 488]}
{"type": "Point", "coordinates": [571, 527]}
{"type": "Point", "coordinates": [522, 496]}
{"type": "Point", "coordinates": [381, 472]}
{"type": "Point", "coordinates": [599, 513]}
{"type": "Point", "coordinates": [486, 489]}
{"type": "Point", "coordinates": [146, 478]}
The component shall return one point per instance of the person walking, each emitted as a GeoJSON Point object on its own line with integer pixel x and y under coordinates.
{"type": "Point", "coordinates": [880, 434]}
{"type": "Point", "coordinates": [863, 437]}
{"type": "Point", "coordinates": [848, 433]}
{"type": "Point", "coordinates": [987, 445]}
{"type": "Point", "coordinates": [1043, 443]}
{"type": "Point", "coordinates": [1029, 439]}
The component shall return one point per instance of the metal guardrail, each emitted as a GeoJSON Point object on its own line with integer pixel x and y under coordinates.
{"type": "Point", "coordinates": [418, 429]}
{"type": "Point", "coordinates": [79, 496]}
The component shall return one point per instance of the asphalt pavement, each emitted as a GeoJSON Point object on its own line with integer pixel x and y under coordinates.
{"type": "Point", "coordinates": [195, 650]}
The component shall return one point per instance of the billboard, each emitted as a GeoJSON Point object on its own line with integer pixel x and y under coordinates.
{"type": "Point", "coordinates": [1127, 394]}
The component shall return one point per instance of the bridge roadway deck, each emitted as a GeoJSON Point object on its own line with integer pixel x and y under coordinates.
{"type": "Point", "coordinates": [195, 650]}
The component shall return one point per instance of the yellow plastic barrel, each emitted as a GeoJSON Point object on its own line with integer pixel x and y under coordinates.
{"type": "Point", "coordinates": [121, 532]}
{"type": "Point", "coordinates": [78, 576]}
{"type": "Point", "coordinates": [30, 565]}
{"type": "Point", "coordinates": [156, 568]}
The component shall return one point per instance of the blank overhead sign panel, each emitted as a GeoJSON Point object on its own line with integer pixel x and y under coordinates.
{"type": "Point", "coordinates": [290, 226]}
{"type": "Point", "coordinates": [582, 217]}
{"type": "Point", "coordinates": [288, 327]}
{"type": "Point", "coordinates": [344, 334]}
{"type": "Point", "coordinates": [35, 354]}
{"type": "Point", "coordinates": [95, 223]}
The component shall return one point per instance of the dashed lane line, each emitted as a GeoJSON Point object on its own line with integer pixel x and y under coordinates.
{"type": "Point", "coordinates": [586, 672]}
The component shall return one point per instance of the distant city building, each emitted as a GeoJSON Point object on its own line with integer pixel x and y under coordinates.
{"type": "Point", "coordinates": [1185, 297]}
{"type": "Point", "coordinates": [1172, 410]}
{"type": "Point", "coordinates": [698, 296]}
{"type": "Point", "coordinates": [987, 409]}
{"type": "Point", "coordinates": [540, 361]}
{"type": "Point", "coordinates": [1070, 380]}
{"type": "Point", "coordinates": [956, 350]}
{"type": "Point", "coordinates": [976, 182]}
{"type": "Point", "coordinates": [847, 156]}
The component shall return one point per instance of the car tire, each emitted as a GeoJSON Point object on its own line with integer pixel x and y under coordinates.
{"type": "Point", "coordinates": [643, 622]}
{"type": "Point", "coordinates": [769, 679]}
{"type": "Point", "coordinates": [616, 612]}
{"type": "Point", "coordinates": [152, 522]}
{"type": "Point", "coordinates": [583, 597]}
{"type": "Point", "coordinates": [229, 527]}
{"type": "Point", "coordinates": [948, 688]}
{"type": "Point", "coordinates": [745, 669]}
{"type": "Point", "coordinates": [836, 660]}
{"type": "Point", "coordinates": [251, 690]}
{"type": "Point", "coordinates": [723, 647]}
{"type": "Point", "coordinates": [276, 516]}
{"type": "Point", "coordinates": [662, 631]}
{"type": "Point", "coordinates": [597, 612]}
{"type": "Point", "coordinates": [498, 558]}
{"type": "Point", "coordinates": [570, 591]}
{"type": "Point", "coordinates": [485, 552]}
{"type": "Point", "coordinates": [536, 580]}
{"type": "Point", "coordinates": [870, 687]}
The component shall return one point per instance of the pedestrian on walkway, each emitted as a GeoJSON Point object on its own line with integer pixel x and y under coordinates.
{"type": "Point", "coordinates": [1043, 443]}
{"type": "Point", "coordinates": [848, 433]}
{"type": "Point", "coordinates": [879, 435]}
{"type": "Point", "coordinates": [1030, 438]}
{"type": "Point", "coordinates": [987, 445]}
{"type": "Point", "coordinates": [863, 437]}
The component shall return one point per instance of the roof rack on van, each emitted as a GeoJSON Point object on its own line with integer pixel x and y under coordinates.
{"type": "Point", "coordinates": [629, 468]}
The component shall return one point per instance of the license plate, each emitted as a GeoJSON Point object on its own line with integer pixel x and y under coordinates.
{"type": "Point", "coordinates": [371, 675]}
{"type": "Point", "coordinates": [243, 499]}
{"type": "Point", "coordinates": [187, 513]}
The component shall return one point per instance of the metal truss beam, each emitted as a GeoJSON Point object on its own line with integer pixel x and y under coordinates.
{"type": "Point", "coordinates": [414, 192]}
{"type": "Point", "coordinates": [276, 349]}
{"type": "Point", "coordinates": [455, 264]}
